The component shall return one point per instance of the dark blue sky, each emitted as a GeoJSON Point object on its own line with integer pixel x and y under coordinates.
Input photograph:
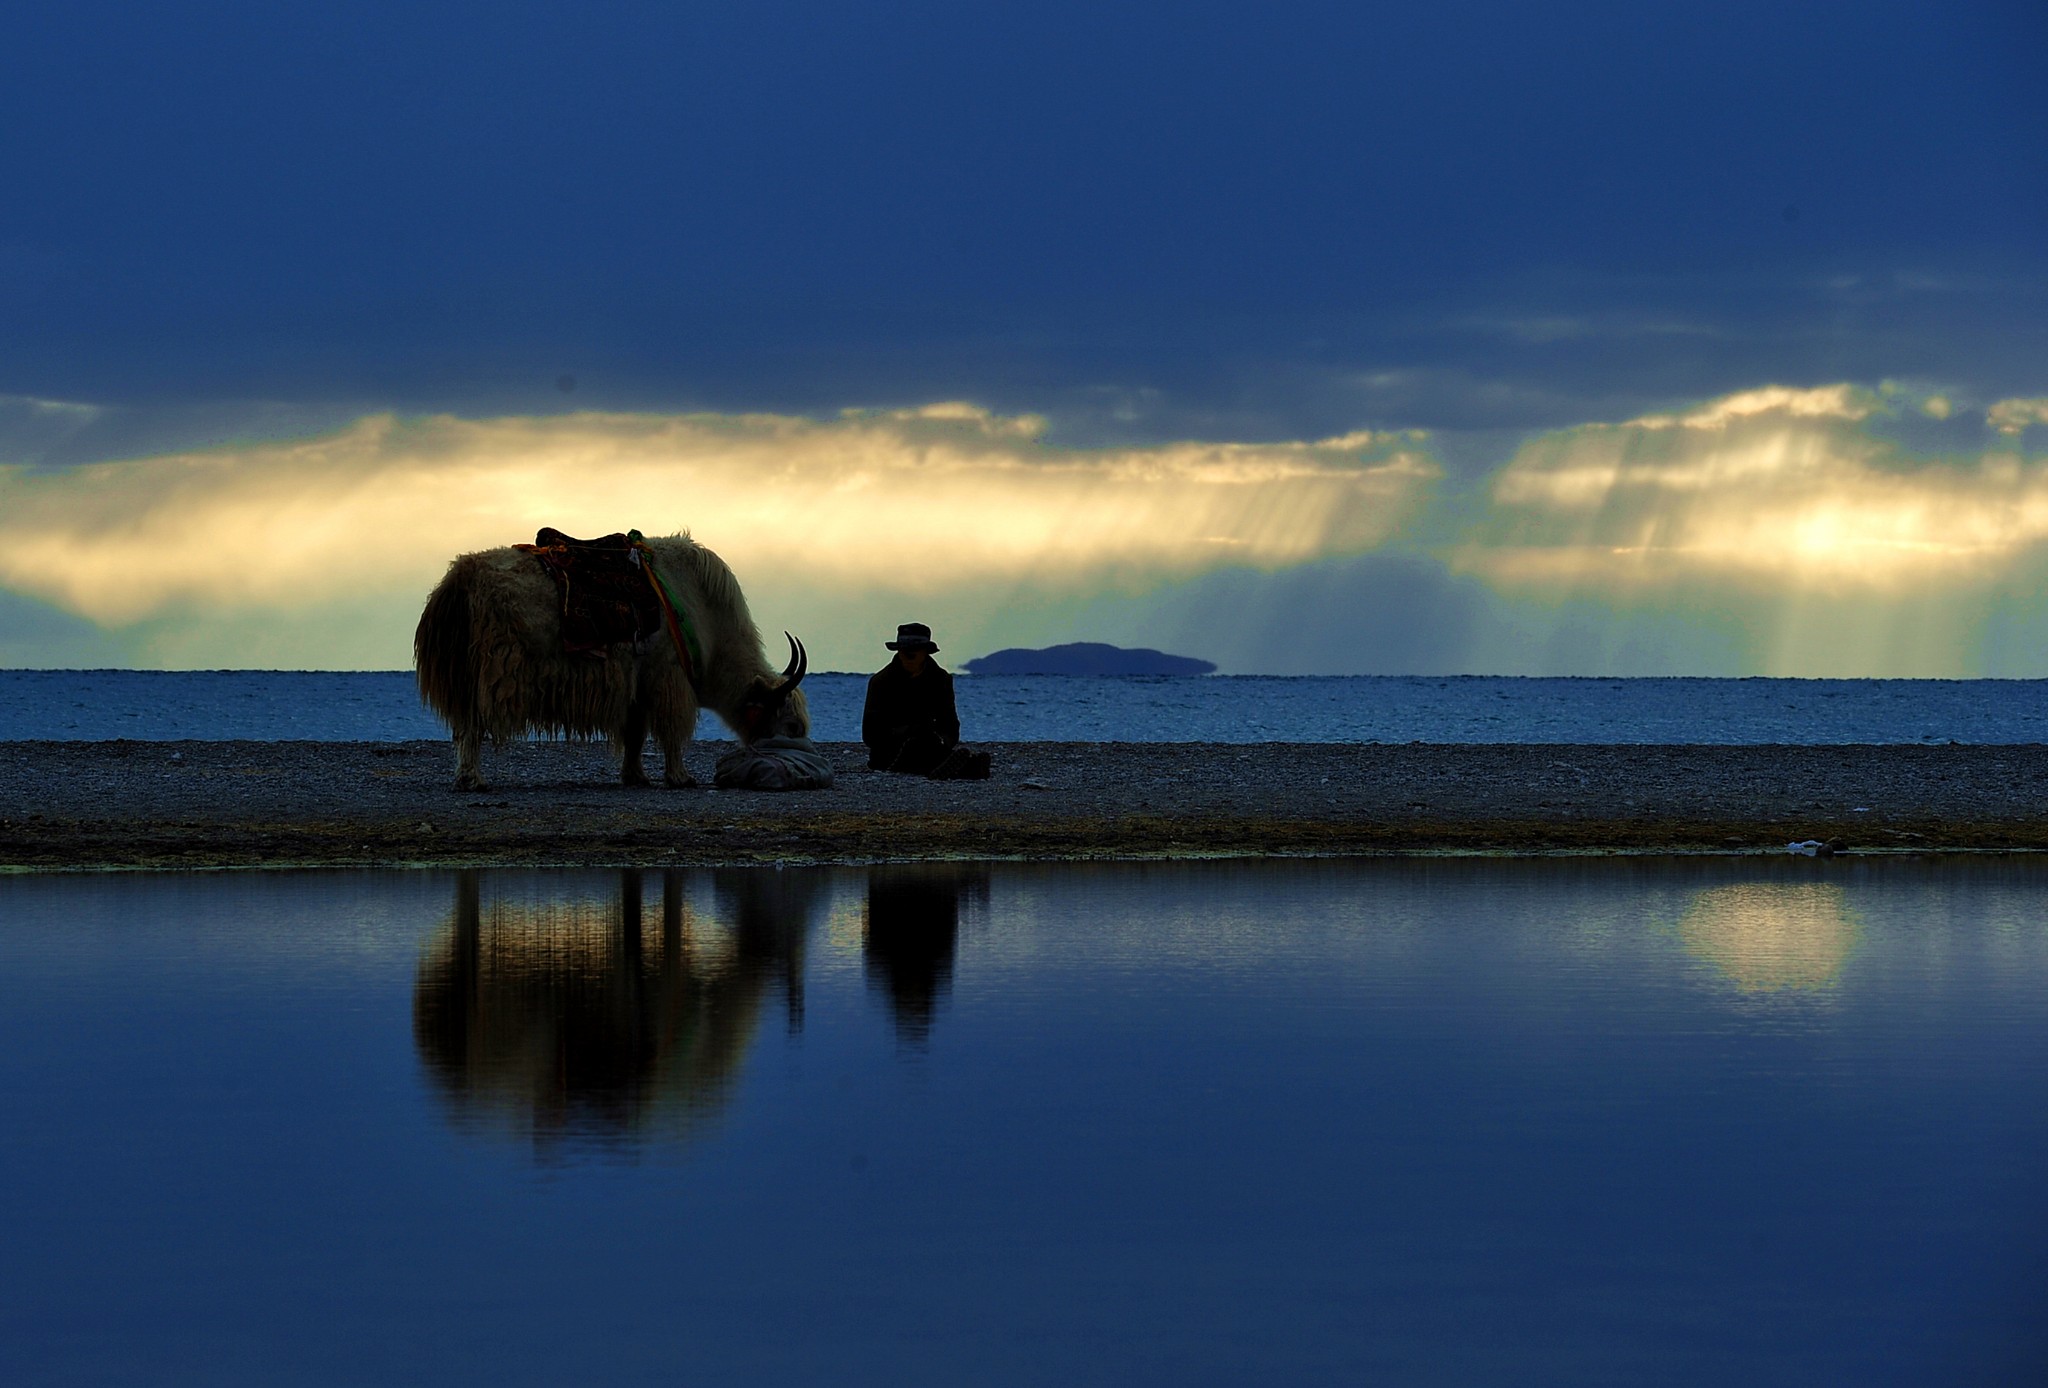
{"type": "Point", "coordinates": [1250, 221]}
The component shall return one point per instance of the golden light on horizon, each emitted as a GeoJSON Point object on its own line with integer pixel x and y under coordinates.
{"type": "Point", "coordinates": [1773, 531]}
{"type": "Point", "coordinates": [930, 498]}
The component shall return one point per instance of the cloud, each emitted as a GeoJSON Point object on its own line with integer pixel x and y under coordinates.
{"type": "Point", "coordinates": [920, 504]}
{"type": "Point", "coordinates": [1779, 402]}
{"type": "Point", "coordinates": [1832, 529]}
{"type": "Point", "coordinates": [32, 429]}
{"type": "Point", "coordinates": [2014, 416]}
{"type": "Point", "coordinates": [1547, 329]}
{"type": "Point", "coordinates": [1795, 518]}
{"type": "Point", "coordinates": [36, 407]}
{"type": "Point", "coordinates": [1773, 486]}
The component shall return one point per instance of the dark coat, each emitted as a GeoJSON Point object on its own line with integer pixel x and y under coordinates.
{"type": "Point", "coordinates": [901, 707]}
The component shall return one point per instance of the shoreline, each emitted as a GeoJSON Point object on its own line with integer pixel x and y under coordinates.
{"type": "Point", "coordinates": [199, 805]}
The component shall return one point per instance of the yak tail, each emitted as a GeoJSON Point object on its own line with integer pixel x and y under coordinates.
{"type": "Point", "coordinates": [441, 652]}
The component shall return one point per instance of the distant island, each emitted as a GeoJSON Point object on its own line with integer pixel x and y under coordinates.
{"type": "Point", "coordinates": [1086, 658]}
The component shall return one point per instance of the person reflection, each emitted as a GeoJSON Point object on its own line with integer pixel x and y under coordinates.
{"type": "Point", "coordinates": [913, 924]}
{"type": "Point", "coordinates": [590, 1018]}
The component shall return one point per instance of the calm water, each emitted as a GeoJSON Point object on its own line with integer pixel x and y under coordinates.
{"type": "Point", "coordinates": [330, 706]}
{"type": "Point", "coordinates": [1453, 1121]}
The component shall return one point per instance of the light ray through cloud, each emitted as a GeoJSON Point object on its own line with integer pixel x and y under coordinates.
{"type": "Point", "coordinates": [1841, 550]}
{"type": "Point", "coordinates": [1801, 530]}
{"type": "Point", "coordinates": [1771, 486]}
{"type": "Point", "coordinates": [917, 504]}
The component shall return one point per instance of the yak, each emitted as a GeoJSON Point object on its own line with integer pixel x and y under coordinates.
{"type": "Point", "coordinates": [492, 660]}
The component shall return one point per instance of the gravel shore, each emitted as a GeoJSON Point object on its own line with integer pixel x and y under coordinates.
{"type": "Point", "coordinates": [223, 804]}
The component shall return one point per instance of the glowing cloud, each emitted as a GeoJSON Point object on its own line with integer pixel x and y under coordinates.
{"type": "Point", "coordinates": [1780, 530]}
{"type": "Point", "coordinates": [2013, 416]}
{"type": "Point", "coordinates": [1821, 402]}
{"type": "Point", "coordinates": [1773, 487]}
{"type": "Point", "coordinates": [917, 502]}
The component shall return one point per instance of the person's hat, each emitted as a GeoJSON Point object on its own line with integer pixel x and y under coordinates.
{"type": "Point", "coordinates": [912, 636]}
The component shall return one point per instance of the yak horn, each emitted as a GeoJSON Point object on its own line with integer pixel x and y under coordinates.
{"type": "Point", "coordinates": [798, 664]}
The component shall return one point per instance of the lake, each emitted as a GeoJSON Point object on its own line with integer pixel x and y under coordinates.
{"type": "Point", "coordinates": [384, 706]}
{"type": "Point", "coordinates": [1455, 1121]}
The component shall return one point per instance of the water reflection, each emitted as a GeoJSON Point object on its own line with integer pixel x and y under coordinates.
{"type": "Point", "coordinates": [1421, 1120]}
{"type": "Point", "coordinates": [1768, 936]}
{"type": "Point", "coordinates": [911, 930]}
{"type": "Point", "coordinates": [591, 1017]}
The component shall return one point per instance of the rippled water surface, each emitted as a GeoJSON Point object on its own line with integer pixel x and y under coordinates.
{"type": "Point", "coordinates": [384, 706]}
{"type": "Point", "coordinates": [1601, 1121]}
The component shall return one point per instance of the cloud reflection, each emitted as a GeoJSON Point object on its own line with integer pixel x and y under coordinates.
{"type": "Point", "coordinates": [1768, 937]}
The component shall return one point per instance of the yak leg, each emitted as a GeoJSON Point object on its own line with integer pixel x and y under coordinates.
{"type": "Point", "coordinates": [674, 733]}
{"type": "Point", "coordinates": [662, 698]}
{"type": "Point", "coordinates": [469, 757]}
{"type": "Point", "coordinates": [630, 740]}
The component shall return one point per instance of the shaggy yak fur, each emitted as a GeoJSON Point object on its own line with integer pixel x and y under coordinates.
{"type": "Point", "coordinates": [489, 656]}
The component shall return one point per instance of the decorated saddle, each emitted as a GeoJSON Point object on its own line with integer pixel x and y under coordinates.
{"type": "Point", "coordinates": [609, 594]}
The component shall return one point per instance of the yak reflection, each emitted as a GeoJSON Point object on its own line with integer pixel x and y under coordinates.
{"type": "Point", "coordinates": [595, 1018]}
{"type": "Point", "coordinates": [913, 926]}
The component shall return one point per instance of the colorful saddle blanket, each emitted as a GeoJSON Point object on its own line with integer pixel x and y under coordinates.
{"type": "Point", "coordinates": [606, 596]}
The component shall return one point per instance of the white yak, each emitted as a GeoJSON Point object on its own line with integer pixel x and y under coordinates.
{"type": "Point", "coordinates": [491, 662]}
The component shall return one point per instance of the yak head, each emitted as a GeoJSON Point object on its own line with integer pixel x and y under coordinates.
{"type": "Point", "coordinates": [775, 708]}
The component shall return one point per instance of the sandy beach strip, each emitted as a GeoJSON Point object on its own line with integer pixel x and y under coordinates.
{"type": "Point", "coordinates": [246, 804]}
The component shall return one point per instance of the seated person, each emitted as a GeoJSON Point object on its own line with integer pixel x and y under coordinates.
{"type": "Point", "coordinates": [909, 722]}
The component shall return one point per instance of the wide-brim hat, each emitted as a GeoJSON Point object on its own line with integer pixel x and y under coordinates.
{"type": "Point", "coordinates": [912, 636]}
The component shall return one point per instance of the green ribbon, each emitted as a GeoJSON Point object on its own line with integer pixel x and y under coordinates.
{"type": "Point", "coordinates": [684, 634]}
